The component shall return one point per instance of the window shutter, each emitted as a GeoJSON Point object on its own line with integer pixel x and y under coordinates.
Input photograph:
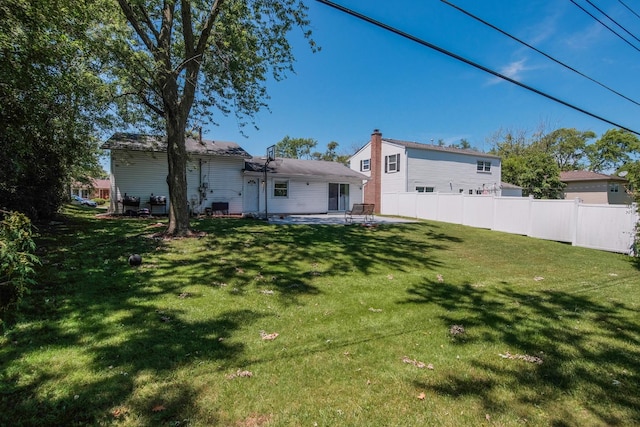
{"type": "Point", "coordinates": [386, 163]}
{"type": "Point", "coordinates": [361, 161]}
{"type": "Point", "coordinates": [397, 162]}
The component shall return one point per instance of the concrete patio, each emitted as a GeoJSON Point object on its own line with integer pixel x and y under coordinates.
{"type": "Point", "coordinates": [333, 219]}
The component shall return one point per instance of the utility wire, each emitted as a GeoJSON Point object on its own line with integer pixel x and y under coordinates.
{"type": "Point", "coordinates": [469, 62]}
{"type": "Point", "coordinates": [605, 25]}
{"type": "Point", "coordinates": [611, 19]}
{"type": "Point", "coordinates": [538, 50]}
{"type": "Point", "coordinates": [630, 10]}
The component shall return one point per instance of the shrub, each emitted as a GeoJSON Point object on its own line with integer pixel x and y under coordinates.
{"type": "Point", "coordinates": [100, 201]}
{"type": "Point", "coordinates": [17, 259]}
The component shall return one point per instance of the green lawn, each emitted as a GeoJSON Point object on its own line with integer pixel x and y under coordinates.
{"type": "Point", "coordinates": [395, 325]}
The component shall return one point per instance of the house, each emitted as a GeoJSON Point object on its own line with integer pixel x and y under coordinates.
{"type": "Point", "coordinates": [298, 186]}
{"type": "Point", "coordinates": [222, 176]}
{"type": "Point", "coordinates": [510, 190]}
{"type": "Point", "coordinates": [97, 189]}
{"type": "Point", "coordinates": [595, 188]}
{"type": "Point", "coordinates": [401, 166]}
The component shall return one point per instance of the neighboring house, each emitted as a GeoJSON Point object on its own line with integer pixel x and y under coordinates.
{"type": "Point", "coordinates": [400, 166]}
{"type": "Point", "coordinates": [296, 186]}
{"type": "Point", "coordinates": [99, 188]}
{"type": "Point", "coordinates": [225, 174]}
{"type": "Point", "coordinates": [510, 190]}
{"type": "Point", "coordinates": [595, 188]}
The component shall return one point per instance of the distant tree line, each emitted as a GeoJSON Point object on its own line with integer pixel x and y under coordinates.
{"type": "Point", "coordinates": [535, 162]}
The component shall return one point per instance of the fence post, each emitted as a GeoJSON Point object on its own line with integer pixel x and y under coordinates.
{"type": "Point", "coordinates": [575, 221]}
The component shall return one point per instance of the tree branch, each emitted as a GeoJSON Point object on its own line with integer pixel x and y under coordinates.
{"type": "Point", "coordinates": [194, 53]}
{"type": "Point", "coordinates": [147, 20]}
{"type": "Point", "coordinates": [135, 23]}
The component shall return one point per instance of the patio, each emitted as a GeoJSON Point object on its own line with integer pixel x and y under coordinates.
{"type": "Point", "coordinates": [333, 219]}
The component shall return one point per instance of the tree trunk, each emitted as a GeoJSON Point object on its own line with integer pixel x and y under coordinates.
{"type": "Point", "coordinates": [177, 178]}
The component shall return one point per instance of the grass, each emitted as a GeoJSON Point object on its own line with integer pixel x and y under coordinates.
{"type": "Point", "coordinates": [362, 315]}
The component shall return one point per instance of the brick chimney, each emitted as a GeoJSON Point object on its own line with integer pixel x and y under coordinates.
{"type": "Point", "coordinates": [373, 188]}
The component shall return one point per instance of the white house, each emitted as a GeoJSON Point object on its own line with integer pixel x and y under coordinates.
{"type": "Point", "coordinates": [296, 186]}
{"type": "Point", "coordinates": [221, 176]}
{"type": "Point", "coordinates": [401, 166]}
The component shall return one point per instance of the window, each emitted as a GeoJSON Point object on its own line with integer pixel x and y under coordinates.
{"type": "Point", "coordinates": [281, 189]}
{"type": "Point", "coordinates": [423, 189]}
{"type": "Point", "coordinates": [365, 165]}
{"type": "Point", "coordinates": [392, 163]}
{"type": "Point", "coordinates": [614, 187]}
{"type": "Point", "coordinates": [483, 166]}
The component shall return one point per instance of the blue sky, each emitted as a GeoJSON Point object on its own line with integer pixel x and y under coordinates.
{"type": "Point", "coordinates": [365, 77]}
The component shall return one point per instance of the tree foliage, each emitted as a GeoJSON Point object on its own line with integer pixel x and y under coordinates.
{"type": "Point", "coordinates": [528, 165]}
{"type": "Point", "coordinates": [568, 147]}
{"type": "Point", "coordinates": [613, 150]}
{"type": "Point", "coordinates": [17, 259]}
{"type": "Point", "coordinates": [295, 148]}
{"type": "Point", "coordinates": [51, 102]}
{"type": "Point", "coordinates": [178, 62]}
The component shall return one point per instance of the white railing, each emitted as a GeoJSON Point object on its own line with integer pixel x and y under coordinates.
{"type": "Point", "coordinates": [605, 227]}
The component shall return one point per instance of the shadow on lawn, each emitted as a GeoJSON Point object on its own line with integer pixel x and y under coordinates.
{"type": "Point", "coordinates": [86, 289]}
{"type": "Point", "coordinates": [590, 351]}
{"type": "Point", "coordinates": [288, 258]}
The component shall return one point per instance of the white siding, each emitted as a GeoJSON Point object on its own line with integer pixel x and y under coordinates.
{"type": "Point", "coordinates": [222, 177]}
{"type": "Point", "coordinates": [364, 154]}
{"type": "Point", "coordinates": [306, 199]}
{"type": "Point", "coordinates": [393, 181]}
{"type": "Point", "coordinates": [449, 172]}
{"type": "Point", "coordinates": [138, 174]}
{"type": "Point", "coordinates": [141, 174]}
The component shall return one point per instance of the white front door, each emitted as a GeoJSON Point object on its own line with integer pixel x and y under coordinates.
{"type": "Point", "coordinates": [251, 195]}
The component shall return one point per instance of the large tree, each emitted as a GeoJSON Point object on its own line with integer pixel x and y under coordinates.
{"type": "Point", "coordinates": [52, 102]}
{"type": "Point", "coordinates": [295, 148]}
{"type": "Point", "coordinates": [568, 147]}
{"type": "Point", "coordinates": [184, 60]}
{"type": "Point", "coordinates": [614, 149]}
{"type": "Point", "coordinates": [526, 163]}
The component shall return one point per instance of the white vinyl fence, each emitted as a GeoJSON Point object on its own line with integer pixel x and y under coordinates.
{"type": "Point", "coordinates": [605, 227]}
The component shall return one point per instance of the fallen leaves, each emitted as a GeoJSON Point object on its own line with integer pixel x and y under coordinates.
{"type": "Point", "coordinates": [422, 396]}
{"type": "Point", "coordinates": [440, 278]}
{"type": "Point", "coordinates": [525, 357]}
{"type": "Point", "coordinates": [456, 330]}
{"type": "Point", "coordinates": [416, 363]}
{"type": "Point", "coordinates": [158, 408]}
{"type": "Point", "coordinates": [375, 310]}
{"type": "Point", "coordinates": [239, 374]}
{"type": "Point", "coordinates": [269, 337]}
{"type": "Point", "coordinates": [538, 278]}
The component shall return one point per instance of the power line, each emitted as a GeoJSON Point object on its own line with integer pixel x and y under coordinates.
{"type": "Point", "coordinates": [611, 19]}
{"type": "Point", "coordinates": [630, 10]}
{"type": "Point", "coordinates": [469, 62]}
{"type": "Point", "coordinates": [538, 50]}
{"type": "Point", "coordinates": [605, 25]}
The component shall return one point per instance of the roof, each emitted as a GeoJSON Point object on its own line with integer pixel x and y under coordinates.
{"type": "Point", "coordinates": [571, 176]}
{"type": "Point", "coordinates": [431, 147]}
{"type": "Point", "coordinates": [300, 167]}
{"type": "Point", "coordinates": [140, 142]}
{"type": "Point", "coordinates": [506, 185]}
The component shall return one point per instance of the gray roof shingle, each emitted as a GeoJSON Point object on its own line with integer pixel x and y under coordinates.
{"type": "Point", "coordinates": [570, 176]}
{"type": "Point", "coordinates": [299, 167]}
{"type": "Point", "coordinates": [139, 142]}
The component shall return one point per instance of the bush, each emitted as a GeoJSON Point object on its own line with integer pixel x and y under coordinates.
{"type": "Point", "coordinates": [17, 259]}
{"type": "Point", "coordinates": [100, 201]}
